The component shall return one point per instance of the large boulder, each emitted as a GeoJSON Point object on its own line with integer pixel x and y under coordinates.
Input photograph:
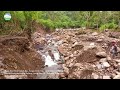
{"type": "Point", "coordinates": [103, 60]}
{"type": "Point", "coordinates": [106, 64]}
{"type": "Point", "coordinates": [114, 34]}
{"type": "Point", "coordinates": [101, 54]}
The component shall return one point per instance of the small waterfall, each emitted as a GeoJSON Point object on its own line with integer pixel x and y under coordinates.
{"type": "Point", "coordinates": [49, 61]}
{"type": "Point", "coordinates": [51, 58]}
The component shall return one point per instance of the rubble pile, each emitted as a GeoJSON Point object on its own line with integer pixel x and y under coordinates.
{"type": "Point", "coordinates": [86, 55]}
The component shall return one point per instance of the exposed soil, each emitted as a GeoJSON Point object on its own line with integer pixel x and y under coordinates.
{"type": "Point", "coordinates": [17, 55]}
{"type": "Point", "coordinates": [87, 56]}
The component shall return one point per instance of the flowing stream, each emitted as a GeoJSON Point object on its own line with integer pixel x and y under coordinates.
{"type": "Point", "coordinates": [53, 59]}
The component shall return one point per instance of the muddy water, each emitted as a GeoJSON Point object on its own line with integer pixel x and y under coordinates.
{"type": "Point", "coordinates": [53, 60]}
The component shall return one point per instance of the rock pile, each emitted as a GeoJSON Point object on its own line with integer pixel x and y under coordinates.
{"type": "Point", "coordinates": [86, 56]}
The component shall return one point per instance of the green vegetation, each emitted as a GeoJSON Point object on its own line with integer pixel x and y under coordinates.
{"type": "Point", "coordinates": [59, 19]}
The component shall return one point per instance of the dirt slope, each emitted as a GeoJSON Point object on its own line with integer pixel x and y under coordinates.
{"type": "Point", "coordinates": [15, 54]}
